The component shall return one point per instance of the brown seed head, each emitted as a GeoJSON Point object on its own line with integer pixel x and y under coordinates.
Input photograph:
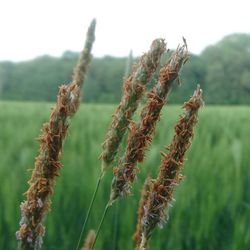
{"type": "Point", "coordinates": [169, 176]}
{"type": "Point", "coordinates": [133, 89]}
{"type": "Point", "coordinates": [89, 240]}
{"type": "Point", "coordinates": [47, 163]}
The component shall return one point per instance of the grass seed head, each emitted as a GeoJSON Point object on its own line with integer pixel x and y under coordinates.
{"type": "Point", "coordinates": [47, 163]}
{"type": "Point", "coordinates": [161, 191]}
{"type": "Point", "coordinates": [89, 240]}
{"type": "Point", "coordinates": [133, 89]}
{"type": "Point", "coordinates": [85, 56]}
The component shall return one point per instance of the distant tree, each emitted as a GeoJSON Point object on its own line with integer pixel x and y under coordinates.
{"type": "Point", "coordinates": [104, 81]}
{"type": "Point", "coordinates": [191, 75]}
{"type": "Point", "coordinates": [223, 70]}
{"type": "Point", "coordinates": [227, 70]}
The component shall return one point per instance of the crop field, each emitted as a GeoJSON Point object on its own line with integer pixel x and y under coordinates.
{"type": "Point", "coordinates": [212, 205]}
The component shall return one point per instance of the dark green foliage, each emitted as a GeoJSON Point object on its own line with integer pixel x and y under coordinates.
{"type": "Point", "coordinates": [40, 78]}
{"type": "Point", "coordinates": [212, 203]}
{"type": "Point", "coordinates": [222, 70]}
{"type": "Point", "coordinates": [104, 80]}
{"type": "Point", "coordinates": [227, 77]}
{"type": "Point", "coordinates": [191, 75]}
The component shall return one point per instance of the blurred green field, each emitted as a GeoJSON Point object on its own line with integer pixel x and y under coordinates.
{"type": "Point", "coordinates": [212, 207]}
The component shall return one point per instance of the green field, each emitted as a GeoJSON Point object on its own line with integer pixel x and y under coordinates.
{"type": "Point", "coordinates": [212, 207]}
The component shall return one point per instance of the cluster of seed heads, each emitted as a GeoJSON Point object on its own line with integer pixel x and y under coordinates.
{"type": "Point", "coordinates": [157, 193]}
{"type": "Point", "coordinates": [140, 135]}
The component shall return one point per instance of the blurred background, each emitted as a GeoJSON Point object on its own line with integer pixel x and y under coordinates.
{"type": "Point", "coordinates": [40, 45]}
{"type": "Point", "coordinates": [41, 40]}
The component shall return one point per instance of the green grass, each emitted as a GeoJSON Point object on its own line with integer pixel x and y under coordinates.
{"type": "Point", "coordinates": [212, 207]}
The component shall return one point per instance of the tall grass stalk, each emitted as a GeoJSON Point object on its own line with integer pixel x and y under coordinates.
{"type": "Point", "coordinates": [133, 89]}
{"type": "Point", "coordinates": [161, 189]}
{"type": "Point", "coordinates": [47, 163]}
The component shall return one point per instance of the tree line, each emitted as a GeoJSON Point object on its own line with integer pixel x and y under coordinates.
{"type": "Point", "coordinates": [222, 70]}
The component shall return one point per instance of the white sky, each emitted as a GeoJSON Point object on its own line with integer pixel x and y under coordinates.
{"type": "Point", "coordinates": [29, 28]}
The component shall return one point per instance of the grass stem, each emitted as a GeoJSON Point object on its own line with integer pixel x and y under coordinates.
{"type": "Point", "coordinates": [101, 222]}
{"type": "Point", "coordinates": [90, 208]}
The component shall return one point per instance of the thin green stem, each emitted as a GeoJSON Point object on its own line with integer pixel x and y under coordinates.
{"type": "Point", "coordinates": [90, 208]}
{"type": "Point", "coordinates": [101, 222]}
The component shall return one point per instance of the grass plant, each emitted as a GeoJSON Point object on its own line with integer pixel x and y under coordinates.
{"type": "Point", "coordinates": [157, 193]}
{"type": "Point", "coordinates": [47, 163]}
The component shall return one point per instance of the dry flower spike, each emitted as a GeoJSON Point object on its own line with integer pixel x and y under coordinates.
{"type": "Point", "coordinates": [47, 164]}
{"type": "Point", "coordinates": [161, 190]}
{"type": "Point", "coordinates": [89, 240]}
{"type": "Point", "coordinates": [133, 89]}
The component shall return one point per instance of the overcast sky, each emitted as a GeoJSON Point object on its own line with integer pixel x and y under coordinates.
{"type": "Point", "coordinates": [29, 28]}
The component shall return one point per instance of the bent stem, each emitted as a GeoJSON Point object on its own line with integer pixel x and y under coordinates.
{"type": "Point", "coordinates": [101, 222]}
{"type": "Point", "coordinates": [90, 208]}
